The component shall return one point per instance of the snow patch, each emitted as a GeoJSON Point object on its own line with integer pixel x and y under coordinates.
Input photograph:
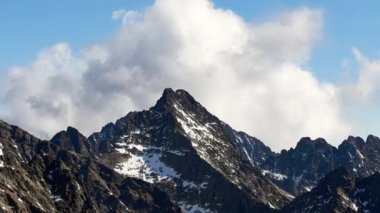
{"type": "Point", "coordinates": [355, 207]}
{"type": "Point", "coordinates": [271, 206]}
{"type": "Point", "coordinates": [136, 132]}
{"type": "Point", "coordinates": [308, 189]}
{"type": "Point", "coordinates": [360, 154]}
{"type": "Point", "coordinates": [56, 198]}
{"type": "Point", "coordinates": [201, 137]}
{"type": "Point", "coordinates": [146, 166]}
{"type": "Point", "coordinates": [121, 150]}
{"type": "Point", "coordinates": [1, 154]}
{"type": "Point", "coordinates": [192, 128]}
{"type": "Point", "coordinates": [193, 208]}
{"type": "Point", "coordinates": [192, 185]}
{"type": "Point", "coordinates": [273, 175]}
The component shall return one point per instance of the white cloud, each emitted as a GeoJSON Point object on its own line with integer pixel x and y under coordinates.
{"type": "Point", "coordinates": [368, 83]}
{"type": "Point", "coordinates": [250, 75]}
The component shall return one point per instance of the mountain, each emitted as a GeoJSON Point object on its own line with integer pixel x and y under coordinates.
{"type": "Point", "coordinates": [298, 170]}
{"type": "Point", "coordinates": [178, 157]}
{"type": "Point", "coordinates": [44, 176]}
{"type": "Point", "coordinates": [192, 155]}
{"type": "Point", "coordinates": [339, 191]}
{"type": "Point", "coordinates": [73, 140]}
{"type": "Point", "coordinates": [362, 157]}
{"type": "Point", "coordinates": [251, 148]}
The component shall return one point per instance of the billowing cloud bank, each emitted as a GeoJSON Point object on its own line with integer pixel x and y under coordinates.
{"type": "Point", "coordinates": [248, 74]}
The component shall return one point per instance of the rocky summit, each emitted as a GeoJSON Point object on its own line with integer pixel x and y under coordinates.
{"type": "Point", "coordinates": [179, 146]}
{"type": "Point", "coordinates": [178, 157]}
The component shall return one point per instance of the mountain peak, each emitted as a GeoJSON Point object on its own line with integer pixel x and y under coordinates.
{"type": "Point", "coordinates": [72, 140]}
{"type": "Point", "coordinates": [307, 144]}
{"type": "Point", "coordinates": [182, 144]}
{"type": "Point", "coordinates": [171, 92]}
{"type": "Point", "coordinates": [168, 92]}
{"type": "Point", "coordinates": [372, 139]}
{"type": "Point", "coordinates": [72, 131]}
{"type": "Point", "coordinates": [352, 142]}
{"type": "Point", "coordinates": [171, 97]}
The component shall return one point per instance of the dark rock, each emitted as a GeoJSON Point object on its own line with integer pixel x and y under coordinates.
{"type": "Point", "coordinates": [42, 176]}
{"type": "Point", "coordinates": [339, 191]}
{"type": "Point", "coordinates": [72, 140]}
{"type": "Point", "coordinates": [190, 154]}
{"type": "Point", "coordinates": [301, 168]}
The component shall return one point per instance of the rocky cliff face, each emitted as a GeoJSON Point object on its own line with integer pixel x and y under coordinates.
{"type": "Point", "coordinates": [298, 170]}
{"type": "Point", "coordinates": [73, 140]}
{"type": "Point", "coordinates": [255, 151]}
{"type": "Point", "coordinates": [42, 176]}
{"type": "Point", "coordinates": [339, 191]}
{"type": "Point", "coordinates": [191, 154]}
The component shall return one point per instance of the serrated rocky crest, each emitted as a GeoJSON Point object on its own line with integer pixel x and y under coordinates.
{"type": "Point", "coordinates": [340, 191]}
{"type": "Point", "coordinates": [300, 169]}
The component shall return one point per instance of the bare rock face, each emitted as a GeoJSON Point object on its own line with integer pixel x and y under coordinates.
{"type": "Point", "coordinates": [189, 153]}
{"type": "Point", "coordinates": [300, 169]}
{"type": "Point", "coordinates": [339, 191]}
{"type": "Point", "coordinates": [73, 140]}
{"type": "Point", "coordinates": [42, 176]}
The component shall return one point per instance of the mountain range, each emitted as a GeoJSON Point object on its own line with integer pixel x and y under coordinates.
{"type": "Point", "coordinates": [178, 157]}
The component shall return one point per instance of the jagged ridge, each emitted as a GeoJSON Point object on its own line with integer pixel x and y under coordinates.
{"type": "Point", "coordinates": [43, 176]}
{"type": "Point", "coordinates": [178, 143]}
{"type": "Point", "coordinates": [339, 191]}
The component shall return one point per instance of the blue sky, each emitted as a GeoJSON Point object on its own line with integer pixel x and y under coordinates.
{"type": "Point", "coordinates": [68, 51]}
{"type": "Point", "coordinates": [30, 26]}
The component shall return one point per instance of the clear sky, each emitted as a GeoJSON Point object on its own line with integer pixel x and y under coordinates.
{"type": "Point", "coordinates": [333, 93]}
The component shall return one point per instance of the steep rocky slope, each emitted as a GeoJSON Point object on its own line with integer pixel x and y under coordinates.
{"type": "Point", "coordinates": [41, 176]}
{"type": "Point", "coordinates": [340, 192]}
{"type": "Point", "coordinates": [298, 170]}
{"type": "Point", "coordinates": [250, 147]}
{"type": "Point", "coordinates": [179, 145]}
